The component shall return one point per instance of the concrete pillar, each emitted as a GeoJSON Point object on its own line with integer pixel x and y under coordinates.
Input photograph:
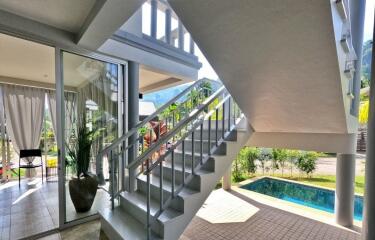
{"type": "Point", "coordinates": [344, 195]}
{"type": "Point", "coordinates": [368, 229]}
{"type": "Point", "coordinates": [192, 47]}
{"type": "Point", "coordinates": [180, 35]}
{"type": "Point", "coordinates": [227, 180]}
{"type": "Point", "coordinates": [154, 17]}
{"type": "Point", "coordinates": [133, 114]}
{"type": "Point", "coordinates": [168, 25]}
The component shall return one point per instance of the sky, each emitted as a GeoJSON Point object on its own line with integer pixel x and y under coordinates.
{"type": "Point", "coordinates": [206, 70]}
{"type": "Point", "coordinates": [369, 20]}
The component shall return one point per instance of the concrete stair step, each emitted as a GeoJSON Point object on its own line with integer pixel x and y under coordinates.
{"type": "Point", "coordinates": [118, 224]}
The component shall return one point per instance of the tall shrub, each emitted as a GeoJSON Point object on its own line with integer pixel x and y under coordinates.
{"type": "Point", "coordinates": [307, 162]}
{"type": "Point", "coordinates": [292, 156]}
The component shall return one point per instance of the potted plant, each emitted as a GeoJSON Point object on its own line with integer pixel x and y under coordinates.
{"type": "Point", "coordinates": [83, 187]}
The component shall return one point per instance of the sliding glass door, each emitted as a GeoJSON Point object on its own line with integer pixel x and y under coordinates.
{"type": "Point", "coordinates": [93, 96]}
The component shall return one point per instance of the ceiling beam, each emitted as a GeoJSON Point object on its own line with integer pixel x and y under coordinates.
{"type": "Point", "coordinates": [105, 18]}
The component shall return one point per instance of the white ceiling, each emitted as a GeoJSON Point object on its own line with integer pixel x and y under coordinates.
{"type": "Point", "coordinates": [277, 58]}
{"type": "Point", "coordinates": [67, 15]}
{"type": "Point", "coordinates": [26, 60]}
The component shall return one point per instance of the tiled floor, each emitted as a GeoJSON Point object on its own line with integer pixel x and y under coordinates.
{"type": "Point", "coordinates": [236, 217]}
{"type": "Point", "coordinates": [28, 211]}
{"type": "Point", "coordinates": [25, 212]}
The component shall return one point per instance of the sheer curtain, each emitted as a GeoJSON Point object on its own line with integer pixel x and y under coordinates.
{"type": "Point", "coordinates": [24, 110]}
{"type": "Point", "coordinates": [70, 100]}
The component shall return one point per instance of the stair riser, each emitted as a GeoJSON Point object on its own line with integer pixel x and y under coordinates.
{"type": "Point", "coordinates": [167, 174]}
{"type": "Point", "coordinates": [188, 162]}
{"type": "Point", "coordinates": [197, 146]}
{"type": "Point", "coordinates": [177, 203]}
{"type": "Point", "coordinates": [140, 215]}
{"type": "Point", "coordinates": [197, 133]}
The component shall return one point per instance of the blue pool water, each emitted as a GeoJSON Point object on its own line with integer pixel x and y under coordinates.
{"type": "Point", "coordinates": [314, 197]}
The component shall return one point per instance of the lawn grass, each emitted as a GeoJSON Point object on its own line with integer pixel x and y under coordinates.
{"type": "Point", "coordinates": [328, 181]}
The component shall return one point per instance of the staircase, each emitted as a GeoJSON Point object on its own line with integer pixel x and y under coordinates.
{"type": "Point", "coordinates": [176, 163]}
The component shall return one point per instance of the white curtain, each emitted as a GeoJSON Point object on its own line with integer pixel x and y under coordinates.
{"type": "Point", "coordinates": [70, 101]}
{"type": "Point", "coordinates": [24, 110]}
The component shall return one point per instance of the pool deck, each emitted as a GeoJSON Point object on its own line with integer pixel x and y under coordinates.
{"type": "Point", "coordinates": [258, 218]}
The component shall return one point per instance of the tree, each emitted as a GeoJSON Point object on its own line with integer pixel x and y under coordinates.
{"type": "Point", "coordinates": [249, 156]}
{"type": "Point", "coordinates": [292, 156]}
{"type": "Point", "coordinates": [279, 159]}
{"type": "Point", "coordinates": [306, 162]}
{"type": "Point", "coordinates": [366, 63]}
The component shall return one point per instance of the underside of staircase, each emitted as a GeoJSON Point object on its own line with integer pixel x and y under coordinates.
{"type": "Point", "coordinates": [128, 220]}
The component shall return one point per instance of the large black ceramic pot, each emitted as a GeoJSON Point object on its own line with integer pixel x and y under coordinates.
{"type": "Point", "coordinates": [82, 192]}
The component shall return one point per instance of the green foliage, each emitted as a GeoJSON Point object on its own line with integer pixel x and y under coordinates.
{"type": "Point", "coordinates": [279, 159]}
{"type": "Point", "coordinates": [79, 151]}
{"type": "Point", "coordinates": [292, 156]}
{"type": "Point", "coordinates": [366, 64]}
{"type": "Point", "coordinates": [306, 162]}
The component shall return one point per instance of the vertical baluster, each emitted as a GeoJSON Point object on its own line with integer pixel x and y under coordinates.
{"type": "Point", "coordinates": [217, 127]}
{"type": "Point", "coordinates": [161, 185]}
{"type": "Point", "coordinates": [201, 142]}
{"type": "Point", "coordinates": [192, 152]}
{"type": "Point", "coordinates": [209, 135]}
{"type": "Point", "coordinates": [112, 180]}
{"type": "Point", "coordinates": [229, 109]}
{"type": "Point", "coordinates": [183, 162]}
{"type": "Point", "coordinates": [223, 122]}
{"type": "Point", "coordinates": [148, 202]}
{"type": "Point", "coordinates": [150, 137]}
{"type": "Point", "coordinates": [173, 174]}
{"type": "Point", "coordinates": [142, 143]}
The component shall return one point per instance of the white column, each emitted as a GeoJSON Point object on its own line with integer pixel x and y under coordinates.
{"type": "Point", "coordinates": [227, 180]}
{"type": "Point", "coordinates": [344, 195]}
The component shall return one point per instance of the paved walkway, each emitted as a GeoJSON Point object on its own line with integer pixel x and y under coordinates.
{"type": "Point", "coordinates": [262, 223]}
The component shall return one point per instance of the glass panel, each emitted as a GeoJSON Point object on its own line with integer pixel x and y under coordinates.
{"type": "Point", "coordinates": [91, 123]}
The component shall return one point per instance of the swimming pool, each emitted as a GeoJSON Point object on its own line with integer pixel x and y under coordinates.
{"type": "Point", "coordinates": [314, 197]}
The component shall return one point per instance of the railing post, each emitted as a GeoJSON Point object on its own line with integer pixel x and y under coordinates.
{"type": "Point", "coordinates": [168, 24]}
{"type": "Point", "coordinates": [148, 203]}
{"type": "Point", "coordinates": [183, 162]}
{"type": "Point", "coordinates": [173, 175]}
{"type": "Point", "coordinates": [112, 180]}
{"type": "Point", "coordinates": [209, 135]}
{"type": "Point", "coordinates": [217, 127]}
{"type": "Point", "coordinates": [192, 152]}
{"type": "Point", "coordinates": [223, 121]}
{"type": "Point", "coordinates": [229, 109]}
{"type": "Point", "coordinates": [154, 17]}
{"type": "Point", "coordinates": [201, 142]}
{"type": "Point", "coordinates": [161, 186]}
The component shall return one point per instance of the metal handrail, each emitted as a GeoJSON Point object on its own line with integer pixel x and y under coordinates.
{"type": "Point", "coordinates": [142, 158]}
{"type": "Point", "coordinates": [121, 139]}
